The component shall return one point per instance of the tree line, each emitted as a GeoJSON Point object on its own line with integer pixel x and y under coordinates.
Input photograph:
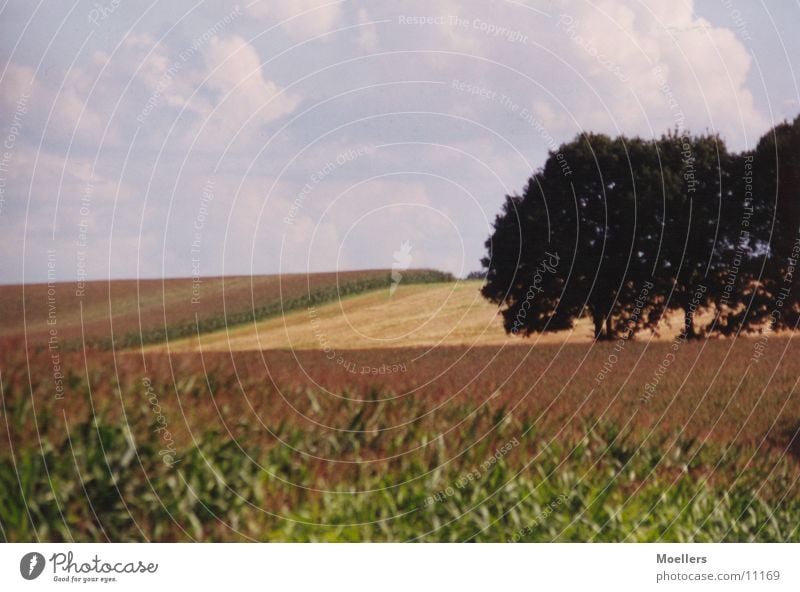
{"type": "Point", "coordinates": [630, 231]}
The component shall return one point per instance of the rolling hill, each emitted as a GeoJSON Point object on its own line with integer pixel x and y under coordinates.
{"type": "Point", "coordinates": [129, 313]}
{"type": "Point", "coordinates": [419, 316]}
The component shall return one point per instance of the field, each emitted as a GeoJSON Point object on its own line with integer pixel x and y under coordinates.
{"type": "Point", "coordinates": [129, 313]}
{"type": "Point", "coordinates": [442, 435]}
{"type": "Point", "coordinates": [413, 316]}
{"type": "Point", "coordinates": [417, 315]}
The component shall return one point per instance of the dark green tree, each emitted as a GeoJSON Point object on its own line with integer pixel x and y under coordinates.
{"type": "Point", "coordinates": [705, 229]}
{"type": "Point", "coordinates": [777, 183]}
{"type": "Point", "coordinates": [694, 170]}
{"type": "Point", "coordinates": [582, 208]}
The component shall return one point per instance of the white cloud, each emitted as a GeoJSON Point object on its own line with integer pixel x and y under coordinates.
{"type": "Point", "coordinates": [367, 34]}
{"type": "Point", "coordinates": [18, 80]}
{"type": "Point", "coordinates": [302, 18]}
{"type": "Point", "coordinates": [246, 99]}
{"type": "Point", "coordinates": [589, 65]}
{"type": "Point", "coordinates": [146, 83]}
{"type": "Point", "coordinates": [617, 48]}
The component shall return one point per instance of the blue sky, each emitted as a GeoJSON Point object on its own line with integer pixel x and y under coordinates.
{"type": "Point", "coordinates": [176, 138]}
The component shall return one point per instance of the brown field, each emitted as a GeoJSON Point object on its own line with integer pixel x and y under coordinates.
{"type": "Point", "coordinates": [713, 390]}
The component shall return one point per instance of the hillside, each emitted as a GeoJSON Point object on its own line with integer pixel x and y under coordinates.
{"type": "Point", "coordinates": [364, 431]}
{"type": "Point", "coordinates": [139, 312]}
{"type": "Point", "coordinates": [427, 316]}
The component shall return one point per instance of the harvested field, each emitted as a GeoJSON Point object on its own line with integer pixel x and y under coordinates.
{"type": "Point", "coordinates": [447, 314]}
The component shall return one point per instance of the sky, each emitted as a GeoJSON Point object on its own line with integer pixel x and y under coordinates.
{"type": "Point", "coordinates": [185, 139]}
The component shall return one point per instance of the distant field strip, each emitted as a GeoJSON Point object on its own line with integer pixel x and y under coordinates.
{"type": "Point", "coordinates": [274, 308]}
{"type": "Point", "coordinates": [415, 315]}
{"type": "Point", "coordinates": [452, 314]}
{"type": "Point", "coordinates": [146, 311]}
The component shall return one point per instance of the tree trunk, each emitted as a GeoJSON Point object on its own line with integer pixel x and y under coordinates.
{"type": "Point", "coordinates": [598, 327]}
{"type": "Point", "coordinates": [688, 324]}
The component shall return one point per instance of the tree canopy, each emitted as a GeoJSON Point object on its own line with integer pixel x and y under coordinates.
{"type": "Point", "coordinates": [624, 230]}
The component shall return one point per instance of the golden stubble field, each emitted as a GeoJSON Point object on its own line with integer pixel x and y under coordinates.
{"type": "Point", "coordinates": [428, 316]}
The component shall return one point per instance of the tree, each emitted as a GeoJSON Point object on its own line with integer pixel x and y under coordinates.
{"type": "Point", "coordinates": [703, 228]}
{"type": "Point", "coordinates": [738, 298]}
{"type": "Point", "coordinates": [523, 273]}
{"type": "Point", "coordinates": [693, 170]}
{"type": "Point", "coordinates": [761, 246]}
{"type": "Point", "coordinates": [584, 214]}
{"type": "Point", "coordinates": [777, 180]}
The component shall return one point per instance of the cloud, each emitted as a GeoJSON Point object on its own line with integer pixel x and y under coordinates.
{"type": "Point", "coordinates": [301, 18]}
{"type": "Point", "coordinates": [18, 80]}
{"type": "Point", "coordinates": [605, 66]}
{"type": "Point", "coordinates": [245, 98]}
{"type": "Point", "coordinates": [218, 85]}
{"type": "Point", "coordinates": [544, 71]}
{"type": "Point", "coordinates": [367, 34]}
{"type": "Point", "coordinates": [656, 65]}
{"type": "Point", "coordinates": [66, 105]}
